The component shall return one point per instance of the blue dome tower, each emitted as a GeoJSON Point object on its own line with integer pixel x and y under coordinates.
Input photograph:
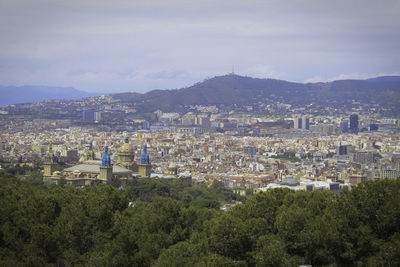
{"type": "Point", "coordinates": [106, 169]}
{"type": "Point", "coordinates": [145, 159]}
{"type": "Point", "coordinates": [144, 167]}
{"type": "Point", "coordinates": [106, 161]}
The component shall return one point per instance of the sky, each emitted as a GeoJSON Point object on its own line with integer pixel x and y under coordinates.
{"type": "Point", "coordinates": [139, 45]}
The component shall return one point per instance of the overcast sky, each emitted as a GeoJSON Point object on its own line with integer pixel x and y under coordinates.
{"type": "Point", "coordinates": [139, 45]}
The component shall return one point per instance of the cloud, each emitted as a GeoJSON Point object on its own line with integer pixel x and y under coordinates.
{"type": "Point", "coordinates": [263, 71]}
{"type": "Point", "coordinates": [315, 79]}
{"type": "Point", "coordinates": [349, 76]}
{"type": "Point", "coordinates": [166, 75]}
{"type": "Point", "coordinates": [142, 45]}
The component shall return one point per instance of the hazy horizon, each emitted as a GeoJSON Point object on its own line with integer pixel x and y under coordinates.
{"type": "Point", "coordinates": [128, 90]}
{"type": "Point", "coordinates": [119, 46]}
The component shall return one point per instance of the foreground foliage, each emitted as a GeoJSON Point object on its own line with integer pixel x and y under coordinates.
{"type": "Point", "coordinates": [96, 226]}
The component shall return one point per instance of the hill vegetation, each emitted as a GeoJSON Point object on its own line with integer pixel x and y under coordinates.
{"type": "Point", "coordinates": [155, 224]}
{"type": "Point", "coordinates": [239, 90]}
{"type": "Point", "coordinates": [230, 91]}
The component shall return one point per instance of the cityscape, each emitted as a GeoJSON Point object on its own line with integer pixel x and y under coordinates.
{"type": "Point", "coordinates": [124, 140]}
{"type": "Point", "coordinates": [244, 150]}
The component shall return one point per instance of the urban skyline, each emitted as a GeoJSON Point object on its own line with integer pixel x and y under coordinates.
{"type": "Point", "coordinates": [279, 147]}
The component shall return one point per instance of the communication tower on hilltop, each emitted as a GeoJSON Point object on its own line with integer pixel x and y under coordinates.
{"type": "Point", "coordinates": [233, 70]}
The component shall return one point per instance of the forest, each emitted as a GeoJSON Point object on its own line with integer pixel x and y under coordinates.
{"type": "Point", "coordinates": [152, 222]}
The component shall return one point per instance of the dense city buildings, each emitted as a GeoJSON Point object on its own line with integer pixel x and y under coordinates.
{"type": "Point", "coordinates": [262, 143]}
{"type": "Point", "coordinates": [244, 151]}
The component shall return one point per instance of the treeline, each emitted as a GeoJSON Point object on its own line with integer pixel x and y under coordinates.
{"type": "Point", "coordinates": [157, 224]}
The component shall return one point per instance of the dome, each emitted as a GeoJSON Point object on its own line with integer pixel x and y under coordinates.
{"type": "Point", "coordinates": [126, 147]}
{"type": "Point", "coordinates": [172, 165]}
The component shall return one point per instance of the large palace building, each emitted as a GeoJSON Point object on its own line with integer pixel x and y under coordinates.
{"type": "Point", "coordinates": [91, 169]}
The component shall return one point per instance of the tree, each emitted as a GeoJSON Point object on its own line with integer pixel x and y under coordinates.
{"type": "Point", "coordinates": [270, 251]}
{"type": "Point", "coordinates": [180, 254]}
{"type": "Point", "coordinates": [95, 226]}
{"type": "Point", "coordinates": [389, 253]}
{"type": "Point", "coordinates": [35, 179]}
{"type": "Point", "coordinates": [115, 182]}
{"type": "Point", "coordinates": [228, 237]}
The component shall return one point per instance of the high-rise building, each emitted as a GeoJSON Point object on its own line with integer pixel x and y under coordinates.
{"type": "Point", "coordinates": [88, 115]}
{"type": "Point", "coordinates": [305, 123]}
{"type": "Point", "coordinates": [344, 126]}
{"type": "Point", "coordinates": [97, 116]}
{"type": "Point", "coordinates": [354, 123]}
{"type": "Point", "coordinates": [373, 127]}
{"type": "Point", "coordinates": [345, 150]}
{"type": "Point", "coordinates": [205, 121]}
{"type": "Point", "coordinates": [298, 122]}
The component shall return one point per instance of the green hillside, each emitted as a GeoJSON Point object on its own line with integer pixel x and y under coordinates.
{"type": "Point", "coordinates": [235, 89]}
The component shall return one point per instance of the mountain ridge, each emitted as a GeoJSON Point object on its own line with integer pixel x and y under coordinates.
{"type": "Point", "coordinates": [231, 90]}
{"type": "Point", "coordinates": [36, 93]}
{"type": "Point", "coordinates": [242, 90]}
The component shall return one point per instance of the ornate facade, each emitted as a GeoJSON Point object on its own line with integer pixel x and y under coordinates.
{"type": "Point", "coordinates": [103, 170]}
